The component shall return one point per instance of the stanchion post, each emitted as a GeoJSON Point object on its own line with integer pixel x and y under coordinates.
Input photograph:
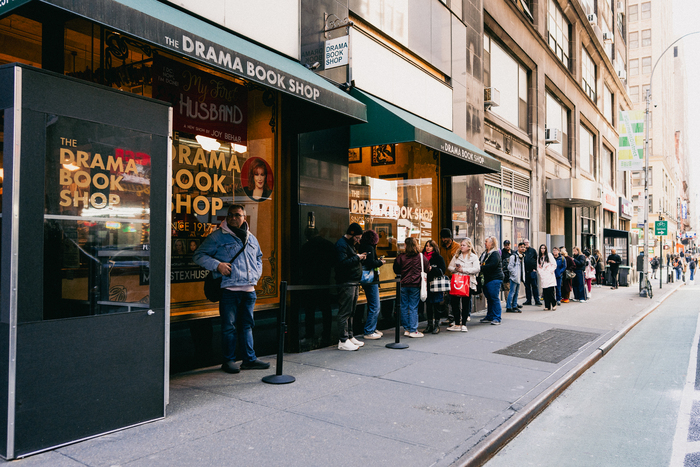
{"type": "Point", "coordinates": [278, 377]}
{"type": "Point", "coordinates": [397, 309]}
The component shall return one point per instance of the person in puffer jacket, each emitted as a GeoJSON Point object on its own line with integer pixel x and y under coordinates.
{"type": "Point", "coordinates": [239, 278]}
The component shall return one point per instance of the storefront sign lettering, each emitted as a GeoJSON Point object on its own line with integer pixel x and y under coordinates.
{"type": "Point", "coordinates": [242, 65]}
{"type": "Point", "coordinates": [389, 210]}
{"type": "Point", "coordinates": [609, 200]}
{"type": "Point", "coordinates": [203, 181]}
{"type": "Point", "coordinates": [336, 52]}
{"type": "Point", "coordinates": [461, 152]}
{"type": "Point", "coordinates": [626, 208]}
{"type": "Point", "coordinates": [83, 179]}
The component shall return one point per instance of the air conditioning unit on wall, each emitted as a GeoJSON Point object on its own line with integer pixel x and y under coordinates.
{"type": "Point", "coordinates": [492, 98]}
{"type": "Point", "coordinates": [622, 74]}
{"type": "Point", "coordinates": [592, 18]}
{"type": "Point", "coordinates": [608, 37]}
{"type": "Point", "coordinates": [552, 136]}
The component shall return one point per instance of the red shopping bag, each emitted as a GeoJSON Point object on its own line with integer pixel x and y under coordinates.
{"type": "Point", "coordinates": [459, 285]}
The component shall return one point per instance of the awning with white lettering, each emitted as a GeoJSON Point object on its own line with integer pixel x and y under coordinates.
{"type": "Point", "coordinates": [183, 34]}
{"type": "Point", "coordinates": [388, 124]}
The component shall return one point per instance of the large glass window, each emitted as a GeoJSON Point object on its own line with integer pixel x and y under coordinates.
{"type": "Point", "coordinates": [510, 78]}
{"type": "Point", "coordinates": [586, 150]}
{"type": "Point", "coordinates": [558, 33]}
{"type": "Point", "coordinates": [588, 74]}
{"type": "Point", "coordinates": [96, 222]}
{"type": "Point", "coordinates": [393, 189]}
{"type": "Point", "coordinates": [558, 117]}
{"type": "Point", "coordinates": [646, 37]}
{"type": "Point", "coordinates": [646, 65]}
{"type": "Point", "coordinates": [646, 10]}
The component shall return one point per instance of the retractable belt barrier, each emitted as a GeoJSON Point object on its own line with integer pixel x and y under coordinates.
{"type": "Point", "coordinates": [279, 377]}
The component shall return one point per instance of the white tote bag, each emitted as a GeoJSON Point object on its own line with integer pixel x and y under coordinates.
{"type": "Point", "coordinates": [423, 281]}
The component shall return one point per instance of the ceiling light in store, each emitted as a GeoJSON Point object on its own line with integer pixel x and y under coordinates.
{"type": "Point", "coordinates": [72, 167]}
{"type": "Point", "coordinates": [239, 148]}
{"type": "Point", "coordinates": [208, 144]}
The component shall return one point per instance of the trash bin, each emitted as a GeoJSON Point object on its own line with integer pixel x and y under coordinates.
{"type": "Point", "coordinates": [624, 277]}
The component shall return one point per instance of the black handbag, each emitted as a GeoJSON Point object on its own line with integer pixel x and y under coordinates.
{"type": "Point", "coordinates": [212, 287]}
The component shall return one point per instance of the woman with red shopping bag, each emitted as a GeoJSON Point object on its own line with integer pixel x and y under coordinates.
{"type": "Point", "coordinates": [464, 268]}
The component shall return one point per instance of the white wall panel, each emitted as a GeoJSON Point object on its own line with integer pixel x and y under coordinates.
{"type": "Point", "coordinates": [273, 23]}
{"type": "Point", "coordinates": [386, 75]}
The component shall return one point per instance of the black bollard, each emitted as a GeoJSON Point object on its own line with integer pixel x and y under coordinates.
{"type": "Point", "coordinates": [397, 308]}
{"type": "Point", "coordinates": [278, 377]}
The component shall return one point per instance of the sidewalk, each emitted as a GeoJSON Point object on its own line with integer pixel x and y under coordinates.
{"type": "Point", "coordinates": [426, 405]}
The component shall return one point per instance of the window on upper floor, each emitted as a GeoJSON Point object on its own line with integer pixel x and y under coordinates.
{"type": "Point", "coordinates": [608, 103]}
{"type": "Point", "coordinates": [588, 73]}
{"type": "Point", "coordinates": [586, 150]}
{"type": "Point", "coordinates": [558, 33]}
{"type": "Point", "coordinates": [504, 73]}
{"type": "Point", "coordinates": [634, 94]}
{"type": "Point", "coordinates": [633, 13]}
{"type": "Point", "coordinates": [634, 67]}
{"type": "Point", "coordinates": [646, 65]}
{"type": "Point", "coordinates": [588, 6]}
{"type": "Point", "coordinates": [558, 117]}
{"type": "Point", "coordinates": [634, 40]}
{"type": "Point", "coordinates": [608, 166]}
{"type": "Point", "coordinates": [646, 10]}
{"type": "Point", "coordinates": [646, 38]}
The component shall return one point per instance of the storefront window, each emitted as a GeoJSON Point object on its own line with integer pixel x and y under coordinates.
{"type": "Point", "coordinates": [96, 221]}
{"type": "Point", "coordinates": [392, 191]}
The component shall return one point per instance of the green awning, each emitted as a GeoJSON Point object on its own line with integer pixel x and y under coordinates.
{"type": "Point", "coordinates": [388, 124]}
{"type": "Point", "coordinates": [169, 28]}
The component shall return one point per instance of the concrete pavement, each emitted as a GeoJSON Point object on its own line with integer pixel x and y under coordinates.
{"type": "Point", "coordinates": [436, 403]}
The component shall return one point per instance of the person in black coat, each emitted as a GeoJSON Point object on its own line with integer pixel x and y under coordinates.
{"type": "Point", "coordinates": [431, 251]}
{"type": "Point", "coordinates": [614, 262]}
{"type": "Point", "coordinates": [492, 271]}
{"type": "Point", "coordinates": [532, 290]}
{"type": "Point", "coordinates": [580, 261]}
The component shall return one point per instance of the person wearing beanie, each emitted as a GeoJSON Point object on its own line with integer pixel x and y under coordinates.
{"type": "Point", "coordinates": [348, 271]}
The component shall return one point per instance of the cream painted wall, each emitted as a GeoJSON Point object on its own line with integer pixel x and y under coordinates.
{"type": "Point", "coordinates": [269, 22]}
{"type": "Point", "coordinates": [384, 74]}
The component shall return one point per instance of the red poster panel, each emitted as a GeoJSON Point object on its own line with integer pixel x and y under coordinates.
{"type": "Point", "coordinates": [203, 104]}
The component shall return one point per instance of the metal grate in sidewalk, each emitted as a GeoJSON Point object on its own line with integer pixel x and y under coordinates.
{"type": "Point", "coordinates": [551, 346]}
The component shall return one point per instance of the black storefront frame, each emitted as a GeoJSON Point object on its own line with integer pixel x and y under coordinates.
{"type": "Point", "coordinates": [87, 351]}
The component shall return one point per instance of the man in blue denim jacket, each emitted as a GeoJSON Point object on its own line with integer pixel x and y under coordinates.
{"type": "Point", "coordinates": [239, 278]}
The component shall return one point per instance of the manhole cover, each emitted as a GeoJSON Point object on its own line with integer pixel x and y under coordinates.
{"type": "Point", "coordinates": [551, 346]}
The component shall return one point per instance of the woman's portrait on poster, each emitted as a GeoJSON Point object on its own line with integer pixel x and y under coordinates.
{"type": "Point", "coordinates": [259, 181]}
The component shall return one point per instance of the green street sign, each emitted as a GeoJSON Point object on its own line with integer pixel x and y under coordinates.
{"type": "Point", "coordinates": [661, 228]}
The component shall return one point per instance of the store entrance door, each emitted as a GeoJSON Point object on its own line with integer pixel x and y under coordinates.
{"type": "Point", "coordinates": [85, 289]}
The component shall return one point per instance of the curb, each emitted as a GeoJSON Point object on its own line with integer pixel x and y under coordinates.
{"type": "Point", "coordinates": [497, 439]}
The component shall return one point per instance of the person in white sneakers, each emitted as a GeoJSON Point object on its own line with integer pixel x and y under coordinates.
{"type": "Point", "coordinates": [467, 263]}
{"type": "Point", "coordinates": [409, 265]}
{"type": "Point", "coordinates": [348, 271]}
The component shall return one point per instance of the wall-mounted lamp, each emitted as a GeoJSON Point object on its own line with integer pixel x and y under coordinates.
{"type": "Point", "coordinates": [313, 66]}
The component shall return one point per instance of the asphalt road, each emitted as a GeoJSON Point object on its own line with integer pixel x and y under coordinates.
{"type": "Point", "coordinates": [638, 406]}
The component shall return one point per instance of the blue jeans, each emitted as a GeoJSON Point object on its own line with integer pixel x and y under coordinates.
{"type": "Point", "coordinates": [512, 301]}
{"type": "Point", "coordinates": [692, 274]}
{"type": "Point", "coordinates": [678, 274]}
{"type": "Point", "coordinates": [372, 295]}
{"type": "Point", "coordinates": [559, 279]}
{"type": "Point", "coordinates": [491, 290]}
{"type": "Point", "coordinates": [236, 311]}
{"type": "Point", "coordinates": [410, 298]}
